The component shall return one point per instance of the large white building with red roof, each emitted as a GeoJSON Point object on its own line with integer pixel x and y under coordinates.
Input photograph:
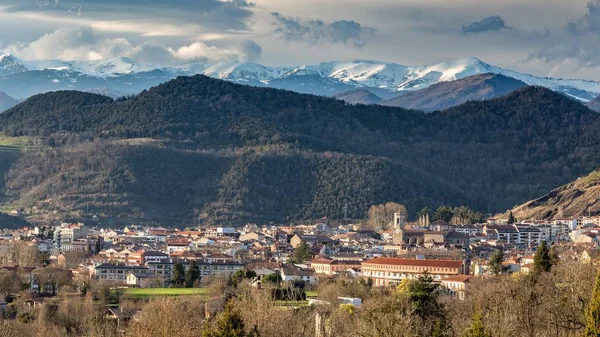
{"type": "Point", "coordinates": [386, 271]}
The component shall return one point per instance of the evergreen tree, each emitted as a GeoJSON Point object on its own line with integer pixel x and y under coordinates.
{"type": "Point", "coordinates": [553, 255]}
{"type": "Point", "coordinates": [496, 259]}
{"type": "Point", "coordinates": [444, 213]}
{"type": "Point", "coordinates": [98, 246]}
{"type": "Point", "coordinates": [511, 218]}
{"type": "Point", "coordinates": [192, 274]}
{"type": "Point", "coordinates": [592, 313]}
{"type": "Point", "coordinates": [302, 253]}
{"type": "Point", "coordinates": [476, 329]}
{"type": "Point", "coordinates": [229, 324]}
{"type": "Point", "coordinates": [542, 261]}
{"type": "Point", "coordinates": [177, 275]}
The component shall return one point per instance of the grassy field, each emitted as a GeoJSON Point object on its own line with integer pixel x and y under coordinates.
{"type": "Point", "coordinates": [312, 294]}
{"type": "Point", "coordinates": [156, 292]}
{"type": "Point", "coordinates": [16, 144]}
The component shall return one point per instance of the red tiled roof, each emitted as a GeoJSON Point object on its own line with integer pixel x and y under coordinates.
{"type": "Point", "coordinates": [321, 261]}
{"type": "Point", "coordinates": [415, 262]}
{"type": "Point", "coordinates": [457, 278]}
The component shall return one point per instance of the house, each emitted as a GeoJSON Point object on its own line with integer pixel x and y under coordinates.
{"type": "Point", "coordinates": [331, 267]}
{"type": "Point", "coordinates": [310, 239]}
{"type": "Point", "coordinates": [116, 272]}
{"type": "Point", "coordinates": [439, 226]}
{"type": "Point", "coordinates": [457, 239]}
{"type": "Point", "coordinates": [177, 245]}
{"type": "Point", "coordinates": [144, 280]}
{"type": "Point", "coordinates": [386, 271]}
{"type": "Point", "coordinates": [252, 237]}
{"type": "Point", "coordinates": [119, 315]}
{"type": "Point", "coordinates": [455, 286]}
{"type": "Point", "coordinates": [291, 274]}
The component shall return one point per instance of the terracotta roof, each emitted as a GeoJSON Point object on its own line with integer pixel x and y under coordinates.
{"type": "Point", "coordinates": [321, 261]}
{"type": "Point", "coordinates": [415, 262]}
{"type": "Point", "coordinates": [457, 278]}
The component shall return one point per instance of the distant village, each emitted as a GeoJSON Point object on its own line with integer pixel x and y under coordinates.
{"type": "Point", "coordinates": [452, 254]}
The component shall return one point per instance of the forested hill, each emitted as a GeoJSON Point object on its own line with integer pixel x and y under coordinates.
{"type": "Point", "coordinates": [280, 155]}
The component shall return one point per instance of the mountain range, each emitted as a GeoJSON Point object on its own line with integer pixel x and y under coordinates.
{"type": "Point", "coordinates": [443, 95]}
{"type": "Point", "coordinates": [198, 148]}
{"type": "Point", "coordinates": [123, 76]}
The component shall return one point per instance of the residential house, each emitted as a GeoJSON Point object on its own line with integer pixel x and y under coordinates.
{"type": "Point", "coordinates": [116, 272]}
{"type": "Point", "coordinates": [291, 274]}
{"type": "Point", "coordinates": [310, 239]}
{"type": "Point", "coordinates": [455, 286]}
{"type": "Point", "coordinates": [332, 267]}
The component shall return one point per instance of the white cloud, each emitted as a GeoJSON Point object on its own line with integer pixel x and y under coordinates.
{"type": "Point", "coordinates": [71, 44]}
{"type": "Point", "coordinates": [84, 44]}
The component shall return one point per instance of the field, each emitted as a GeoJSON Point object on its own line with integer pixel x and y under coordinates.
{"type": "Point", "coordinates": [140, 293]}
{"type": "Point", "coordinates": [16, 144]}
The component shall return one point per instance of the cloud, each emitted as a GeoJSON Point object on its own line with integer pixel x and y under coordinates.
{"type": "Point", "coordinates": [319, 32]}
{"type": "Point", "coordinates": [75, 44]}
{"type": "Point", "coordinates": [71, 44]}
{"type": "Point", "coordinates": [200, 52]}
{"type": "Point", "coordinates": [576, 45]}
{"type": "Point", "coordinates": [589, 23]}
{"type": "Point", "coordinates": [226, 14]}
{"type": "Point", "coordinates": [489, 24]}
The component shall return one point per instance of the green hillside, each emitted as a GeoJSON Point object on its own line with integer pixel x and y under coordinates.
{"type": "Point", "coordinates": [217, 151]}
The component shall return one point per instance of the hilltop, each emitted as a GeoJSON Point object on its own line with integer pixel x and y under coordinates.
{"type": "Point", "coordinates": [578, 198]}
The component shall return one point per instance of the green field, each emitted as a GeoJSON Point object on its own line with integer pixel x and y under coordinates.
{"type": "Point", "coordinates": [16, 144]}
{"type": "Point", "coordinates": [154, 292]}
{"type": "Point", "coordinates": [312, 294]}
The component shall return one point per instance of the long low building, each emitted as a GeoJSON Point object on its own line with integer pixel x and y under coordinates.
{"type": "Point", "coordinates": [386, 271]}
{"type": "Point", "coordinates": [332, 267]}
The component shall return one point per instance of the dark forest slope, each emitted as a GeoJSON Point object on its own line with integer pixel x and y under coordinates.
{"type": "Point", "coordinates": [282, 155]}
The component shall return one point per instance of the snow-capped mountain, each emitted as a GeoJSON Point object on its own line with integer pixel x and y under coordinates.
{"type": "Point", "coordinates": [21, 78]}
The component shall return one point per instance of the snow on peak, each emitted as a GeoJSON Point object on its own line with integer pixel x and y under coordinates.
{"type": "Point", "coordinates": [389, 77]}
{"type": "Point", "coordinates": [9, 65]}
{"type": "Point", "coordinates": [116, 66]}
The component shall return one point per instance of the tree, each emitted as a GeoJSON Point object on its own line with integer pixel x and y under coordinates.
{"type": "Point", "coordinates": [177, 275]}
{"type": "Point", "coordinates": [511, 218]}
{"type": "Point", "coordinates": [229, 324]}
{"type": "Point", "coordinates": [302, 253]}
{"type": "Point", "coordinates": [542, 261]}
{"type": "Point", "coordinates": [51, 279]}
{"type": "Point", "coordinates": [192, 274]}
{"type": "Point", "coordinates": [444, 213]}
{"type": "Point", "coordinates": [274, 278]}
{"type": "Point", "coordinates": [476, 329]}
{"type": "Point", "coordinates": [464, 215]}
{"type": "Point", "coordinates": [592, 313]}
{"type": "Point", "coordinates": [496, 259]}
{"type": "Point", "coordinates": [381, 216]}
{"type": "Point", "coordinates": [241, 274]}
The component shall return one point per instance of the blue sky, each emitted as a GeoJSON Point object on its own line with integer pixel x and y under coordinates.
{"type": "Point", "coordinates": [543, 37]}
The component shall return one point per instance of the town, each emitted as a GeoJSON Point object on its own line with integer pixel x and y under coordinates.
{"type": "Point", "coordinates": [67, 258]}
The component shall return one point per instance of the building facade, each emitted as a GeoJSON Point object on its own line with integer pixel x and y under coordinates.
{"type": "Point", "coordinates": [386, 271]}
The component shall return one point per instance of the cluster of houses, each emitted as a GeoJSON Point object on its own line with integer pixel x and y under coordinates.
{"type": "Point", "coordinates": [451, 254]}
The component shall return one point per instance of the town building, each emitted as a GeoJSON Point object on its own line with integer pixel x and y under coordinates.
{"type": "Point", "coordinates": [332, 267]}
{"type": "Point", "coordinates": [386, 271]}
